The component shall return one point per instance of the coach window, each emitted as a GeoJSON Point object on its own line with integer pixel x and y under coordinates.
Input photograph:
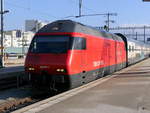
{"type": "Point", "coordinates": [129, 48]}
{"type": "Point", "coordinates": [132, 48]}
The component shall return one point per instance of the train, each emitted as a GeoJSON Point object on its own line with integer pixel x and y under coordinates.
{"type": "Point", "coordinates": [66, 54]}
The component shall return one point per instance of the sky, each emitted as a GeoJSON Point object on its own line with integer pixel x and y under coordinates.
{"type": "Point", "coordinates": [129, 12]}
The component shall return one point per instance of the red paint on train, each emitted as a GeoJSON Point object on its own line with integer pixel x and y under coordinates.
{"type": "Point", "coordinates": [104, 52]}
{"type": "Point", "coordinates": [79, 65]}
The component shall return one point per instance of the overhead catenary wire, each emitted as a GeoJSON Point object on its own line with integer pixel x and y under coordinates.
{"type": "Point", "coordinates": [33, 10]}
{"type": "Point", "coordinates": [83, 6]}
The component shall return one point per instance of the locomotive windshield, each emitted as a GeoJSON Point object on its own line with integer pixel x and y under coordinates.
{"type": "Point", "coordinates": [56, 44]}
{"type": "Point", "coordinates": [49, 44]}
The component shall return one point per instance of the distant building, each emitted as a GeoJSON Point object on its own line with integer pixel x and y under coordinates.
{"type": "Point", "coordinates": [33, 25]}
{"type": "Point", "coordinates": [17, 41]}
{"type": "Point", "coordinates": [27, 38]}
{"type": "Point", "coordinates": [13, 38]}
{"type": "Point", "coordinates": [7, 41]}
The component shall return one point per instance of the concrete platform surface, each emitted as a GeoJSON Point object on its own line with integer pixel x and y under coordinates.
{"type": "Point", "coordinates": [127, 91]}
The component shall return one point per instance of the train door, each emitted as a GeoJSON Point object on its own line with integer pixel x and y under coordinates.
{"type": "Point", "coordinates": [84, 60]}
{"type": "Point", "coordinates": [116, 55]}
{"type": "Point", "coordinates": [84, 75]}
{"type": "Point", "coordinates": [120, 62]}
{"type": "Point", "coordinates": [83, 54]}
{"type": "Point", "coordinates": [119, 57]}
{"type": "Point", "coordinates": [107, 58]}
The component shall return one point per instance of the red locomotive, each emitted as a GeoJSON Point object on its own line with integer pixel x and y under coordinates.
{"type": "Point", "coordinates": [66, 54]}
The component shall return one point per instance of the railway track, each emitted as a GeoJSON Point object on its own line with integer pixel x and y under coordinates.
{"type": "Point", "coordinates": [12, 104]}
{"type": "Point", "coordinates": [13, 99]}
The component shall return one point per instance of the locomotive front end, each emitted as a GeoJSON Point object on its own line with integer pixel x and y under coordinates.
{"type": "Point", "coordinates": [46, 61]}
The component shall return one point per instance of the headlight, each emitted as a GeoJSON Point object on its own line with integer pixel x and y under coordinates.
{"type": "Point", "coordinates": [31, 69]}
{"type": "Point", "coordinates": [60, 70]}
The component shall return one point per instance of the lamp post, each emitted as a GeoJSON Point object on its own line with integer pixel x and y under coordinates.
{"type": "Point", "coordinates": [2, 12]}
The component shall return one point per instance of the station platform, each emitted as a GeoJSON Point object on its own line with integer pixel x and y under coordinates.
{"type": "Point", "coordinates": [9, 71]}
{"type": "Point", "coordinates": [11, 77]}
{"type": "Point", "coordinates": [126, 91]}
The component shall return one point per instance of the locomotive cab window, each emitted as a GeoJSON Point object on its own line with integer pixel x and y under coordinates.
{"type": "Point", "coordinates": [56, 44]}
{"type": "Point", "coordinates": [78, 43]}
{"type": "Point", "coordinates": [49, 44]}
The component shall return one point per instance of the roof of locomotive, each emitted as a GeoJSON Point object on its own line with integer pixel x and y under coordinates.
{"type": "Point", "coordinates": [72, 26]}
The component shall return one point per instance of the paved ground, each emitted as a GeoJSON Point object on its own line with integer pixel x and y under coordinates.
{"type": "Point", "coordinates": [128, 92]}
